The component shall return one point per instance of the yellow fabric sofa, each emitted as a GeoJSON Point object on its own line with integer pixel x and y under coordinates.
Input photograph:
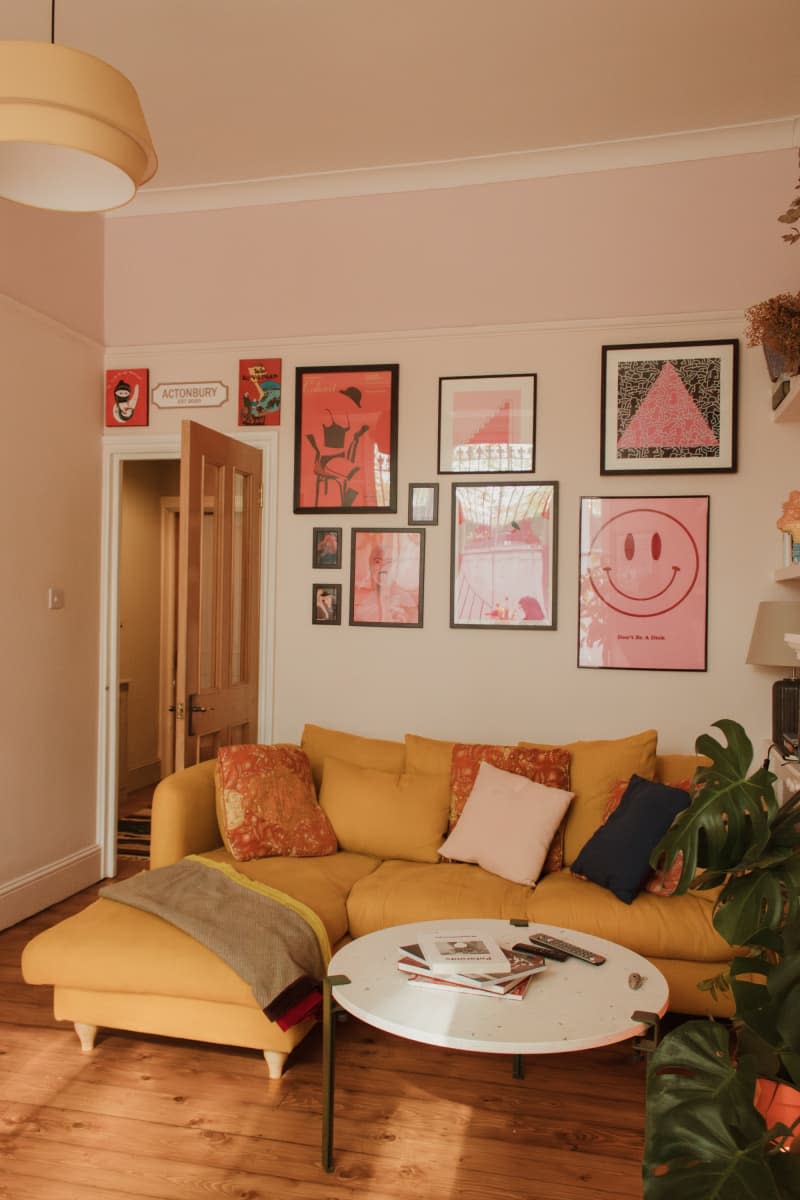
{"type": "Point", "coordinates": [123, 968]}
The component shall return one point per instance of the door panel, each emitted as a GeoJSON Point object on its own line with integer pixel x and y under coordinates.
{"type": "Point", "coordinates": [218, 594]}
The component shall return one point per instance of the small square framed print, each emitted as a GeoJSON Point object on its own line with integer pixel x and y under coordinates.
{"type": "Point", "coordinates": [669, 408]}
{"type": "Point", "coordinates": [423, 504]}
{"type": "Point", "coordinates": [486, 424]}
{"type": "Point", "coordinates": [327, 552]}
{"type": "Point", "coordinates": [326, 604]}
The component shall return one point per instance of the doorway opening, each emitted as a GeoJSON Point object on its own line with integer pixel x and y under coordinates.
{"type": "Point", "coordinates": [141, 517]}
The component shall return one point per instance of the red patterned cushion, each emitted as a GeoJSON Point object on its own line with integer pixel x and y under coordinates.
{"type": "Point", "coordinates": [659, 883]}
{"type": "Point", "coordinates": [267, 805]}
{"type": "Point", "coordinates": [548, 766]}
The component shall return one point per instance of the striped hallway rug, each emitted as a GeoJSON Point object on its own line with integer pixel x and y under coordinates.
{"type": "Point", "coordinates": [133, 835]}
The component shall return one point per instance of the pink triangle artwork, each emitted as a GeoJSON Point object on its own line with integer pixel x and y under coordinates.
{"type": "Point", "coordinates": [667, 417]}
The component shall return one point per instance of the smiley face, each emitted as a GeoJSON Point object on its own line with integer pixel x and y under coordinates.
{"type": "Point", "coordinates": [644, 563]}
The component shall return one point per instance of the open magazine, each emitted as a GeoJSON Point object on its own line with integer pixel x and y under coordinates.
{"type": "Point", "coordinates": [518, 967]}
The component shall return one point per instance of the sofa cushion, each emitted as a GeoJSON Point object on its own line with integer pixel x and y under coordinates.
{"type": "Point", "coordinates": [428, 756]}
{"type": "Point", "coordinates": [383, 813]}
{"type": "Point", "coordinates": [400, 892]}
{"type": "Point", "coordinates": [658, 881]}
{"type": "Point", "coordinates": [507, 824]}
{"type": "Point", "coordinates": [320, 743]}
{"type": "Point", "coordinates": [594, 768]}
{"type": "Point", "coordinates": [677, 928]}
{"type": "Point", "coordinates": [548, 766]}
{"type": "Point", "coordinates": [617, 855]}
{"type": "Point", "coordinates": [266, 804]}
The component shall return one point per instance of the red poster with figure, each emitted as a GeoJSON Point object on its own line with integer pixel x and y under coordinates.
{"type": "Point", "coordinates": [127, 397]}
{"type": "Point", "coordinates": [260, 391]}
{"type": "Point", "coordinates": [644, 582]}
{"type": "Point", "coordinates": [345, 449]}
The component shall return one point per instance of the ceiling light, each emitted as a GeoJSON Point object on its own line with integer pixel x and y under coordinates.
{"type": "Point", "coordinates": [72, 132]}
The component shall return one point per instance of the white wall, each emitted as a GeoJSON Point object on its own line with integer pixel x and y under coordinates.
{"type": "Point", "coordinates": [508, 684]}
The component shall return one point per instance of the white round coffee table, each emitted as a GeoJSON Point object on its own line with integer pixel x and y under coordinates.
{"type": "Point", "coordinates": [568, 1006]}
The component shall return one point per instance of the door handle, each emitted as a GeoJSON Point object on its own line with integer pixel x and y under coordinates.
{"type": "Point", "coordinates": [200, 708]}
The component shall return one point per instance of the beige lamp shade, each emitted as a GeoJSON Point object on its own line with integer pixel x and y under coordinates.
{"type": "Point", "coordinates": [73, 136]}
{"type": "Point", "coordinates": [767, 646]}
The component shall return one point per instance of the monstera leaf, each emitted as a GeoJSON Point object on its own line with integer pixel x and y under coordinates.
{"type": "Point", "coordinates": [726, 828]}
{"type": "Point", "coordinates": [704, 1139]}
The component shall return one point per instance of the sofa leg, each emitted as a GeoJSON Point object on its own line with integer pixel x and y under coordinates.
{"type": "Point", "coordinates": [86, 1035]}
{"type": "Point", "coordinates": [275, 1060]}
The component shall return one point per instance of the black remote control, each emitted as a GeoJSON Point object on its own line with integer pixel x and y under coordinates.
{"type": "Point", "coordinates": [540, 940]}
{"type": "Point", "coordinates": [541, 951]}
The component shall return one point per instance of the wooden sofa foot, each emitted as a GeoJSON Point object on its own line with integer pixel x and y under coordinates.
{"type": "Point", "coordinates": [275, 1060]}
{"type": "Point", "coordinates": [86, 1035]}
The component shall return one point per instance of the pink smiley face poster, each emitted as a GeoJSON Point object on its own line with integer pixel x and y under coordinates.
{"type": "Point", "coordinates": [643, 583]}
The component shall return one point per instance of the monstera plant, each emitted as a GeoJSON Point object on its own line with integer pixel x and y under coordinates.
{"type": "Point", "coordinates": [706, 1135]}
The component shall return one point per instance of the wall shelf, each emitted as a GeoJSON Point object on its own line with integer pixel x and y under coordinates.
{"type": "Point", "coordinates": [789, 407]}
{"type": "Point", "coordinates": [785, 573]}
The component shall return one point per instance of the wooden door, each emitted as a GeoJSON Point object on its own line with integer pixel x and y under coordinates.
{"type": "Point", "coordinates": [216, 695]}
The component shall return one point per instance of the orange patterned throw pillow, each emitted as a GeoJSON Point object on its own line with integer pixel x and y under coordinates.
{"type": "Point", "coordinates": [548, 766]}
{"type": "Point", "coordinates": [659, 883]}
{"type": "Point", "coordinates": [267, 805]}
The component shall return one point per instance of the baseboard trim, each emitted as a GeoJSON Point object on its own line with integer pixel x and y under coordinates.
{"type": "Point", "coordinates": [29, 894]}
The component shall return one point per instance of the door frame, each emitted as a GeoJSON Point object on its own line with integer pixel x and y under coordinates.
{"type": "Point", "coordinates": [118, 449]}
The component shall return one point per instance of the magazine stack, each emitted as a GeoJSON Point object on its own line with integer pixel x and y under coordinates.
{"type": "Point", "coordinates": [470, 964]}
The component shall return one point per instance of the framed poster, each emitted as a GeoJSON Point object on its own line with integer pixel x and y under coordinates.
{"type": "Point", "coordinates": [259, 391]}
{"type": "Point", "coordinates": [643, 582]}
{"type": "Point", "coordinates": [669, 408]}
{"type": "Point", "coordinates": [127, 400]}
{"type": "Point", "coordinates": [486, 424]}
{"type": "Point", "coordinates": [327, 548]}
{"type": "Point", "coordinates": [423, 504]}
{"type": "Point", "coordinates": [503, 555]}
{"type": "Point", "coordinates": [326, 604]}
{"type": "Point", "coordinates": [387, 568]}
{"type": "Point", "coordinates": [345, 439]}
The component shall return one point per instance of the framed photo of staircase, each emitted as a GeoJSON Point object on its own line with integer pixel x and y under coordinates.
{"type": "Point", "coordinates": [345, 439]}
{"type": "Point", "coordinates": [487, 424]}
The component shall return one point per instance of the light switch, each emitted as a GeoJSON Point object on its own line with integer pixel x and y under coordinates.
{"type": "Point", "coordinates": [55, 597]}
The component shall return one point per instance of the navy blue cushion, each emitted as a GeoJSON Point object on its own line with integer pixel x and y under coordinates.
{"type": "Point", "coordinates": [617, 855]}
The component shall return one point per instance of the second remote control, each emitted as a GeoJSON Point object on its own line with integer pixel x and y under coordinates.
{"type": "Point", "coordinates": [589, 956]}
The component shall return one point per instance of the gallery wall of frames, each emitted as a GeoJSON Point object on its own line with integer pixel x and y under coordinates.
{"type": "Point", "coordinates": [663, 410]}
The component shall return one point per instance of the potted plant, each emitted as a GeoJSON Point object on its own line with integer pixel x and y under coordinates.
{"type": "Point", "coordinates": [705, 1135]}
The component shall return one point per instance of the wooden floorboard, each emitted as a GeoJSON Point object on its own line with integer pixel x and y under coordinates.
{"type": "Point", "coordinates": [168, 1120]}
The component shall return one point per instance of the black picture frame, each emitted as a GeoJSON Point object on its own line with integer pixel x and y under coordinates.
{"type": "Point", "coordinates": [326, 604]}
{"type": "Point", "coordinates": [504, 555]}
{"type": "Point", "coordinates": [423, 498]}
{"type": "Point", "coordinates": [669, 408]}
{"type": "Point", "coordinates": [345, 439]}
{"type": "Point", "coordinates": [326, 548]}
{"type": "Point", "coordinates": [502, 408]}
{"type": "Point", "coordinates": [387, 577]}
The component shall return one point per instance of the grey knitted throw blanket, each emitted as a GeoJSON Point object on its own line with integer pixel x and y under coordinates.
{"type": "Point", "coordinates": [276, 944]}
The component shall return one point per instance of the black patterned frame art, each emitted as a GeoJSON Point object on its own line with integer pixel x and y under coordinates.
{"type": "Point", "coordinates": [669, 408]}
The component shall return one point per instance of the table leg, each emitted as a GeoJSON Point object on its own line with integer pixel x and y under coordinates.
{"type": "Point", "coordinates": [517, 1067]}
{"type": "Point", "coordinates": [329, 1010]}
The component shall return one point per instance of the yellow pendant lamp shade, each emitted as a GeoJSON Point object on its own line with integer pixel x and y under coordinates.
{"type": "Point", "coordinates": [72, 132]}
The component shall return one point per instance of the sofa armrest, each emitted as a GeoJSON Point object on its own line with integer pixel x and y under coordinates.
{"type": "Point", "coordinates": [184, 817]}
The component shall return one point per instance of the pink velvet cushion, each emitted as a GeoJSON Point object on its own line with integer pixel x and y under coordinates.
{"type": "Point", "coordinates": [267, 805]}
{"type": "Point", "coordinates": [548, 766]}
{"type": "Point", "coordinates": [507, 824]}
